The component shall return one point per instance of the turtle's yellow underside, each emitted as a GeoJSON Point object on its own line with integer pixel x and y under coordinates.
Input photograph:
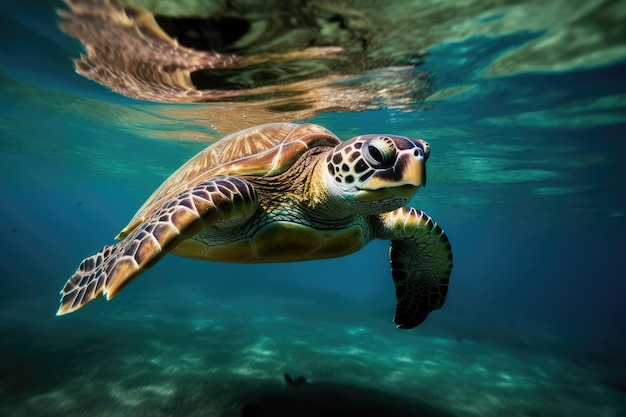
{"type": "Point", "coordinates": [279, 242]}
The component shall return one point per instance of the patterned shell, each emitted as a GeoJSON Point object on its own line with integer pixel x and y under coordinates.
{"type": "Point", "coordinates": [264, 150]}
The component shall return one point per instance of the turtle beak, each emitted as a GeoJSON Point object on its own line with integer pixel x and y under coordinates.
{"type": "Point", "coordinates": [409, 170]}
{"type": "Point", "coordinates": [415, 172]}
{"type": "Point", "coordinates": [403, 180]}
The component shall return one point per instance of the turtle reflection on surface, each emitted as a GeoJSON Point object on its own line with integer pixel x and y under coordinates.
{"type": "Point", "coordinates": [274, 62]}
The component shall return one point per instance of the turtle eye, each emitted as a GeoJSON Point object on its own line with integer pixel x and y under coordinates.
{"type": "Point", "coordinates": [380, 152]}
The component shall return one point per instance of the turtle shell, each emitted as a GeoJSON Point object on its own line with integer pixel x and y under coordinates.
{"type": "Point", "coordinates": [264, 150]}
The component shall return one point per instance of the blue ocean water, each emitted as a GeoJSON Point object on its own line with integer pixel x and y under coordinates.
{"type": "Point", "coordinates": [526, 175]}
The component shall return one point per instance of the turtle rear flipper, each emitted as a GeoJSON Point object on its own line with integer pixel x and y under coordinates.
{"type": "Point", "coordinates": [114, 267]}
{"type": "Point", "coordinates": [421, 264]}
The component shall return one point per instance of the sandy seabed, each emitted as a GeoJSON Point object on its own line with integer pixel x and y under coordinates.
{"type": "Point", "coordinates": [226, 359]}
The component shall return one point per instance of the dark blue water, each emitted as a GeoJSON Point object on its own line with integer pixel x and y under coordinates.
{"type": "Point", "coordinates": [526, 175]}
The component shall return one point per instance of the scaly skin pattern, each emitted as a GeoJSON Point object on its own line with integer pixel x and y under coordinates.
{"type": "Point", "coordinates": [421, 263]}
{"type": "Point", "coordinates": [107, 272]}
{"type": "Point", "coordinates": [296, 220]}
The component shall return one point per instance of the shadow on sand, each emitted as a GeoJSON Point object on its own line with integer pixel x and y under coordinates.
{"type": "Point", "coordinates": [332, 399]}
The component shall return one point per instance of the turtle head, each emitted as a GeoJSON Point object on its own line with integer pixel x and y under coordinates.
{"type": "Point", "coordinates": [375, 168]}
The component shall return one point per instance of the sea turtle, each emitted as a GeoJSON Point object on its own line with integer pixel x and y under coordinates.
{"type": "Point", "coordinates": [285, 192]}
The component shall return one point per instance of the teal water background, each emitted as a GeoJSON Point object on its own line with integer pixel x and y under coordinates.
{"type": "Point", "coordinates": [527, 176]}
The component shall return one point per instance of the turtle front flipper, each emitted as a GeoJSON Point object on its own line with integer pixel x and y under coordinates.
{"type": "Point", "coordinates": [111, 269]}
{"type": "Point", "coordinates": [421, 263]}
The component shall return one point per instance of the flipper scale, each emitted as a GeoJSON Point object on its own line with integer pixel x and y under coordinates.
{"type": "Point", "coordinates": [421, 264]}
{"type": "Point", "coordinates": [114, 267]}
